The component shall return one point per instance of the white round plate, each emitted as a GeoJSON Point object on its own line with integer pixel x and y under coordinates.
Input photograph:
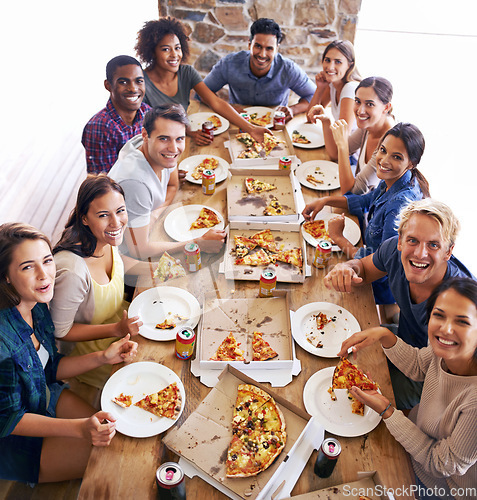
{"type": "Point", "coordinates": [313, 133]}
{"type": "Point", "coordinates": [197, 119]}
{"type": "Point", "coordinates": [323, 170]}
{"type": "Point", "coordinates": [153, 306]}
{"type": "Point", "coordinates": [261, 111]}
{"type": "Point", "coordinates": [191, 162]}
{"type": "Point", "coordinates": [335, 416]}
{"type": "Point", "coordinates": [351, 232]}
{"type": "Point", "coordinates": [335, 332]}
{"type": "Point", "coordinates": [178, 222]}
{"type": "Point", "coordinates": [139, 380]}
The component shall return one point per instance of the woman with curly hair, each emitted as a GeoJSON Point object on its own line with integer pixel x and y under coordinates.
{"type": "Point", "coordinates": [163, 46]}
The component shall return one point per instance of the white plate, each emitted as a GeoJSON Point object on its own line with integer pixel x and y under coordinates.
{"type": "Point", "coordinates": [197, 119]}
{"type": "Point", "coordinates": [261, 111]}
{"type": "Point", "coordinates": [335, 416]}
{"type": "Point", "coordinates": [178, 222]}
{"type": "Point", "coordinates": [138, 380]}
{"type": "Point", "coordinates": [190, 163]}
{"type": "Point", "coordinates": [154, 305]}
{"type": "Point", "coordinates": [335, 332]}
{"type": "Point", "coordinates": [351, 232]}
{"type": "Point", "coordinates": [323, 170]}
{"type": "Point", "coordinates": [313, 133]}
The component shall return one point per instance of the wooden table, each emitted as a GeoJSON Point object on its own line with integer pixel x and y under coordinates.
{"type": "Point", "coordinates": [126, 468]}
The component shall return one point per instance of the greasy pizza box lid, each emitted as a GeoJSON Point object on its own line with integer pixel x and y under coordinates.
{"type": "Point", "coordinates": [287, 149]}
{"type": "Point", "coordinates": [203, 439]}
{"type": "Point", "coordinates": [368, 484]}
{"type": "Point", "coordinates": [243, 316]}
{"type": "Point", "coordinates": [286, 273]}
{"type": "Point", "coordinates": [249, 207]}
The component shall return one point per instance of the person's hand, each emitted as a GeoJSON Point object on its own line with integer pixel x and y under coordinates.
{"type": "Point", "coordinates": [128, 325]}
{"type": "Point", "coordinates": [373, 399]}
{"type": "Point", "coordinates": [342, 278]}
{"type": "Point", "coordinates": [182, 175]}
{"type": "Point", "coordinates": [200, 138]}
{"type": "Point", "coordinates": [258, 133]}
{"type": "Point", "coordinates": [212, 241]}
{"type": "Point", "coordinates": [310, 210]}
{"type": "Point", "coordinates": [100, 428]}
{"type": "Point", "coordinates": [320, 80]}
{"type": "Point", "coordinates": [336, 227]}
{"type": "Point", "coordinates": [288, 112]}
{"type": "Point", "coordinates": [318, 113]}
{"type": "Point", "coordinates": [367, 337]}
{"type": "Point", "coordinates": [121, 350]}
{"type": "Point", "coordinates": [340, 131]}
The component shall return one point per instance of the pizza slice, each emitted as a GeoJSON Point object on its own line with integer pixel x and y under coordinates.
{"type": "Point", "coordinates": [261, 121]}
{"type": "Point", "coordinates": [248, 153]}
{"type": "Point", "coordinates": [274, 208]}
{"type": "Point", "coordinates": [228, 350]}
{"type": "Point", "coordinates": [292, 256]}
{"type": "Point", "coordinates": [167, 324]}
{"type": "Point", "coordinates": [322, 320]}
{"type": "Point", "coordinates": [165, 403]}
{"type": "Point", "coordinates": [256, 186]}
{"type": "Point", "coordinates": [206, 218]}
{"type": "Point", "coordinates": [168, 268]}
{"type": "Point", "coordinates": [123, 400]}
{"type": "Point", "coordinates": [245, 138]}
{"type": "Point", "coordinates": [258, 258]}
{"type": "Point", "coordinates": [243, 245]}
{"type": "Point", "coordinates": [271, 142]}
{"type": "Point", "coordinates": [299, 138]}
{"type": "Point", "coordinates": [313, 180]}
{"type": "Point", "coordinates": [265, 240]}
{"type": "Point", "coordinates": [317, 229]}
{"type": "Point", "coordinates": [205, 164]}
{"type": "Point", "coordinates": [215, 121]}
{"type": "Point", "coordinates": [261, 348]}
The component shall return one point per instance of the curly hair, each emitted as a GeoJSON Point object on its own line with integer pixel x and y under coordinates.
{"type": "Point", "coordinates": [153, 32]}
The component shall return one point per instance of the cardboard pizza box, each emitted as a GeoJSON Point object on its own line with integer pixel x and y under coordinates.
{"type": "Point", "coordinates": [287, 236]}
{"type": "Point", "coordinates": [249, 207]}
{"type": "Point", "coordinates": [203, 439]}
{"type": "Point", "coordinates": [270, 316]}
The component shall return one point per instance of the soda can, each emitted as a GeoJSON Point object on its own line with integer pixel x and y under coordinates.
{"type": "Point", "coordinates": [208, 182]}
{"type": "Point", "coordinates": [246, 117]}
{"type": "Point", "coordinates": [185, 341]}
{"type": "Point", "coordinates": [268, 282]}
{"type": "Point", "coordinates": [327, 457]}
{"type": "Point", "coordinates": [279, 120]}
{"type": "Point", "coordinates": [192, 255]}
{"type": "Point", "coordinates": [284, 163]}
{"type": "Point", "coordinates": [170, 482]}
{"type": "Point", "coordinates": [208, 128]}
{"type": "Point", "coordinates": [322, 254]}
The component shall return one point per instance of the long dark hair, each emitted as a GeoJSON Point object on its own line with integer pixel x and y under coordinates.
{"type": "Point", "coordinates": [415, 144]}
{"type": "Point", "coordinates": [347, 49]}
{"type": "Point", "coordinates": [77, 237]}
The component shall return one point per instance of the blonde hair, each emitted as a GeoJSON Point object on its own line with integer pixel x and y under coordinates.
{"type": "Point", "coordinates": [439, 211]}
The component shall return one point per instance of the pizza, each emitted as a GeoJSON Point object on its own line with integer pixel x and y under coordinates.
{"type": "Point", "coordinates": [322, 320]}
{"type": "Point", "coordinates": [273, 208]}
{"type": "Point", "coordinates": [265, 240]}
{"type": "Point", "coordinates": [165, 403]}
{"type": "Point", "coordinates": [292, 256]}
{"type": "Point", "coordinates": [347, 375]}
{"type": "Point", "coordinates": [271, 142]}
{"type": "Point", "coordinates": [258, 433]}
{"type": "Point", "coordinates": [123, 400]}
{"type": "Point", "coordinates": [261, 121]}
{"type": "Point", "coordinates": [245, 138]}
{"type": "Point", "coordinates": [256, 149]}
{"type": "Point", "coordinates": [228, 350]}
{"type": "Point", "coordinates": [168, 268]}
{"type": "Point", "coordinates": [205, 164]}
{"type": "Point", "coordinates": [215, 121]}
{"type": "Point", "coordinates": [299, 138]}
{"type": "Point", "coordinates": [256, 186]}
{"type": "Point", "coordinates": [313, 180]}
{"type": "Point", "coordinates": [248, 153]}
{"type": "Point", "coordinates": [316, 228]}
{"type": "Point", "coordinates": [243, 245]}
{"type": "Point", "coordinates": [261, 348]}
{"type": "Point", "coordinates": [258, 258]}
{"type": "Point", "coordinates": [206, 218]}
{"type": "Point", "coordinates": [167, 324]}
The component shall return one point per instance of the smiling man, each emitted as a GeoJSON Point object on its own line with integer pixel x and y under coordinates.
{"type": "Point", "coordinates": [262, 76]}
{"type": "Point", "coordinates": [107, 132]}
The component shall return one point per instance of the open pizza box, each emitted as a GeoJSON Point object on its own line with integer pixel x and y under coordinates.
{"type": "Point", "coordinates": [368, 484]}
{"type": "Point", "coordinates": [203, 439]}
{"type": "Point", "coordinates": [242, 317]}
{"type": "Point", "coordinates": [287, 236]}
{"type": "Point", "coordinates": [271, 161]}
{"type": "Point", "coordinates": [249, 207]}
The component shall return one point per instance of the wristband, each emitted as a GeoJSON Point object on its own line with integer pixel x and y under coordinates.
{"type": "Point", "coordinates": [385, 410]}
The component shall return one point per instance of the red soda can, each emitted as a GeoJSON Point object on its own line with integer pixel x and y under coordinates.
{"type": "Point", "coordinates": [170, 482]}
{"type": "Point", "coordinates": [208, 128]}
{"type": "Point", "coordinates": [185, 341]}
{"type": "Point", "coordinates": [322, 254]}
{"type": "Point", "coordinates": [268, 282]}
{"type": "Point", "coordinates": [327, 457]}
{"type": "Point", "coordinates": [192, 255]}
{"type": "Point", "coordinates": [284, 163]}
{"type": "Point", "coordinates": [279, 119]}
{"type": "Point", "coordinates": [208, 182]}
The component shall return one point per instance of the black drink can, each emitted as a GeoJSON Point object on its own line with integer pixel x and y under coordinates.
{"type": "Point", "coordinates": [327, 457]}
{"type": "Point", "coordinates": [170, 482]}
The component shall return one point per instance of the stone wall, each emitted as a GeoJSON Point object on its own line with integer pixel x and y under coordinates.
{"type": "Point", "coordinates": [217, 27]}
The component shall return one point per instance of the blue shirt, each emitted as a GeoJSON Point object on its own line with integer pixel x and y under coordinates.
{"type": "Point", "coordinates": [273, 89]}
{"type": "Point", "coordinates": [413, 318]}
{"type": "Point", "coordinates": [23, 388]}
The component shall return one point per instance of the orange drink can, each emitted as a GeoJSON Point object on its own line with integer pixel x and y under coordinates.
{"type": "Point", "coordinates": [268, 282]}
{"type": "Point", "coordinates": [322, 254]}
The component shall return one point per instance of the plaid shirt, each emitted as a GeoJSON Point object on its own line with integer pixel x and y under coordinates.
{"type": "Point", "coordinates": [105, 134]}
{"type": "Point", "coordinates": [23, 383]}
